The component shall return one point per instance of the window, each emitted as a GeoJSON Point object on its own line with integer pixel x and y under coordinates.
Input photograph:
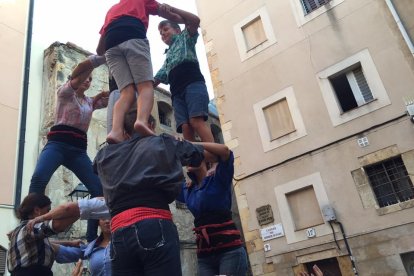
{"type": "Point", "coordinates": [300, 202]}
{"type": "Point", "coordinates": [311, 5]}
{"type": "Point", "coordinates": [254, 33]}
{"type": "Point", "coordinates": [2, 260]}
{"type": "Point", "coordinates": [390, 182]}
{"type": "Point", "coordinates": [408, 261]}
{"type": "Point", "coordinates": [278, 119]}
{"type": "Point", "coordinates": [165, 114]}
{"type": "Point", "coordinates": [304, 208]}
{"type": "Point", "coordinates": [351, 88]}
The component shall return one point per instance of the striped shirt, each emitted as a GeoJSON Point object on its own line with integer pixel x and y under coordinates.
{"type": "Point", "coordinates": [30, 248]}
{"type": "Point", "coordinates": [74, 111]}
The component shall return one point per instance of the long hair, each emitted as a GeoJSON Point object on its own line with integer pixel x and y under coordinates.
{"type": "Point", "coordinates": [29, 203]}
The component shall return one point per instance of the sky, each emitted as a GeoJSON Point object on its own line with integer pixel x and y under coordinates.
{"type": "Point", "coordinates": [79, 22]}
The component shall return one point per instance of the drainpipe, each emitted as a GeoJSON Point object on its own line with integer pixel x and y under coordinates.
{"type": "Point", "coordinates": [400, 26]}
{"type": "Point", "coordinates": [23, 114]}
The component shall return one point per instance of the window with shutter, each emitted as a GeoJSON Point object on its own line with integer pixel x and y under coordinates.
{"type": "Point", "coordinates": [254, 33]}
{"type": "Point", "coordinates": [304, 208]}
{"type": "Point", "coordinates": [311, 5]}
{"type": "Point", "coordinates": [351, 88]}
{"type": "Point", "coordinates": [3, 253]}
{"type": "Point", "coordinates": [278, 118]}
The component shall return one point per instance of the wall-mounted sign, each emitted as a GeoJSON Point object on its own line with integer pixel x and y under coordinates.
{"type": "Point", "coordinates": [310, 232]}
{"type": "Point", "coordinates": [272, 232]}
{"type": "Point", "coordinates": [264, 215]}
{"type": "Point", "coordinates": [267, 247]}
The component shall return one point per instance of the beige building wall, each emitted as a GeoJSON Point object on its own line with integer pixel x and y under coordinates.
{"type": "Point", "coordinates": [13, 28]}
{"type": "Point", "coordinates": [296, 62]}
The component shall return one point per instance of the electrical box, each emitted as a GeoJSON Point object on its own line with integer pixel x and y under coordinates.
{"type": "Point", "coordinates": [328, 213]}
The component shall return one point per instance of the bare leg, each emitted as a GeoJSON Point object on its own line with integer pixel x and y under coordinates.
{"type": "Point", "coordinates": [202, 129]}
{"type": "Point", "coordinates": [188, 132]}
{"type": "Point", "coordinates": [121, 107]}
{"type": "Point", "coordinates": [145, 102]}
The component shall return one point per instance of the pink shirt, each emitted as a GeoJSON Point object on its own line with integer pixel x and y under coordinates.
{"type": "Point", "coordinates": [140, 9]}
{"type": "Point", "coordinates": [74, 111]}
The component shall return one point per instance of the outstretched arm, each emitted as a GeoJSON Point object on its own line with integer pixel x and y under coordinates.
{"type": "Point", "coordinates": [62, 217]}
{"type": "Point", "coordinates": [214, 152]}
{"type": "Point", "coordinates": [191, 21]}
{"type": "Point", "coordinates": [83, 70]}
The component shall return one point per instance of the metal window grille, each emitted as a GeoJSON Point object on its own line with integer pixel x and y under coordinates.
{"type": "Point", "coordinates": [3, 254]}
{"type": "Point", "coordinates": [390, 182]}
{"type": "Point", "coordinates": [311, 5]}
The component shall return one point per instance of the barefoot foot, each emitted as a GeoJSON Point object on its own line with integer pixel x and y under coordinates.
{"type": "Point", "coordinates": [114, 138]}
{"type": "Point", "coordinates": [143, 129]}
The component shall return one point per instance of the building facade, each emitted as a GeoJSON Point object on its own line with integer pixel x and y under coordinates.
{"type": "Point", "coordinates": [13, 89]}
{"type": "Point", "coordinates": [324, 155]}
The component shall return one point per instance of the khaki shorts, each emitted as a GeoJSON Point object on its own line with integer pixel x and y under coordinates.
{"type": "Point", "coordinates": [130, 62]}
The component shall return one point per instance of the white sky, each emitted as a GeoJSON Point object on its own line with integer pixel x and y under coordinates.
{"type": "Point", "coordinates": [79, 22]}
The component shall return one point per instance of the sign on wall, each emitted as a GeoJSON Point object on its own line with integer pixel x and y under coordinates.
{"type": "Point", "coordinates": [264, 215]}
{"type": "Point", "coordinates": [272, 232]}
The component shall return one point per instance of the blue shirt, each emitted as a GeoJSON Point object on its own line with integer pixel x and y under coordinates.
{"type": "Point", "coordinates": [214, 193]}
{"type": "Point", "coordinates": [99, 258]}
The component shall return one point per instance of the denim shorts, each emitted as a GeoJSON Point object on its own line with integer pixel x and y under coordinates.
{"type": "Point", "coordinates": [130, 62]}
{"type": "Point", "coordinates": [190, 103]}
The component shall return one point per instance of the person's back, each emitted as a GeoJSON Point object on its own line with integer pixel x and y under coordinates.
{"type": "Point", "coordinates": [144, 171]}
{"type": "Point", "coordinates": [140, 177]}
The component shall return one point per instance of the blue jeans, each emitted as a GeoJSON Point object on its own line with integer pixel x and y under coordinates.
{"type": "Point", "coordinates": [149, 247]}
{"type": "Point", "coordinates": [230, 263]}
{"type": "Point", "coordinates": [75, 159]}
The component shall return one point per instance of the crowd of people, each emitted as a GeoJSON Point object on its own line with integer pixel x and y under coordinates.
{"type": "Point", "coordinates": [135, 177]}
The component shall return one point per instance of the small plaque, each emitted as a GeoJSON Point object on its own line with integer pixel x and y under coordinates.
{"type": "Point", "coordinates": [272, 232]}
{"type": "Point", "coordinates": [264, 215]}
{"type": "Point", "coordinates": [267, 247]}
{"type": "Point", "coordinates": [310, 232]}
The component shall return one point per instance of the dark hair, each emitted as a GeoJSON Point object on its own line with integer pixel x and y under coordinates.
{"type": "Point", "coordinates": [29, 203]}
{"type": "Point", "coordinates": [169, 22]}
{"type": "Point", "coordinates": [131, 117]}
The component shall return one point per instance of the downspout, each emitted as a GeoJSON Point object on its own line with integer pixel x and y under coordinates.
{"type": "Point", "coordinates": [23, 115]}
{"type": "Point", "coordinates": [400, 25]}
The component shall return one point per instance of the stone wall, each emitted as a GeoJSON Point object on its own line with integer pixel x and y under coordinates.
{"type": "Point", "coordinates": [59, 60]}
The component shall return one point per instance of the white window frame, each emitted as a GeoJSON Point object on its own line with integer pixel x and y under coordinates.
{"type": "Point", "coordinates": [303, 18]}
{"type": "Point", "coordinates": [244, 52]}
{"type": "Point", "coordinates": [373, 79]}
{"type": "Point", "coordinates": [267, 142]}
{"type": "Point", "coordinates": [314, 180]}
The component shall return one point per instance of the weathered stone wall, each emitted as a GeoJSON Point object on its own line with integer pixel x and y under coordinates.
{"type": "Point", "coordinates": [59, 60]}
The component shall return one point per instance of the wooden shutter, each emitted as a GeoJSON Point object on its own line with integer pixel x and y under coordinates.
{"type": "Point", "coordinates": [254, 33]}
{"type": "Point", "coordinates": [363, 84]}
{"type": "Point", "coordinates": [311, 5]}
{"type": "Point", "coordinates": [278, 118]}
{"type": "Point", "coordinates": [3, 254]}
{"type": "Point", "coordinates": [304, 208]}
